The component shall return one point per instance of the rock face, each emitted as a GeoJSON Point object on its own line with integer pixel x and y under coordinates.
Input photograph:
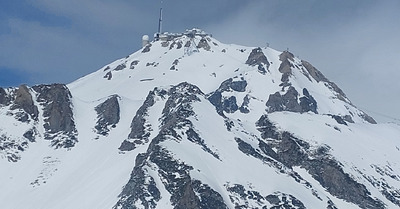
{"type": "Point", "coordinates": [258, 58]}
{"type": "Point", "coordinates": [186, 192]}
{"type": "Point", "coordinates": [287, 102]}
{"type": "Point", "coordinates": [227, 104]}
{"type": "Point", "coordinates": [23, 100]}
{"type": "Point", "coordinates": [4, 99]}
{"type": "Point", "coordinates": [59, 121]}
{"type": "Point", "coordinates": [321, 165]}
{"type": "Point", "coordinates": [108, 114]}
{"type": "Point", "coordinates": [286, 67]}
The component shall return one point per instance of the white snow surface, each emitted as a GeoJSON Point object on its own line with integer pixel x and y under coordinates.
{"type": "Point", "coordinates": [93, 173]}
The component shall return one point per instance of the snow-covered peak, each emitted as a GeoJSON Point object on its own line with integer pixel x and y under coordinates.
{"type": "Point", "coordinates": [278, 79]}
{"type": "Point", "coordinates": [190, 122]}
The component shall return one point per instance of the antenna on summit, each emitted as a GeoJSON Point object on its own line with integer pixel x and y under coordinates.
{"type": "Point", "coordinates": [160, 20]}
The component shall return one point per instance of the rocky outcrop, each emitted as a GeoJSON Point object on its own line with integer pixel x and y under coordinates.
{"type": "Point", "coordinates": [307, 102]}
{"type": "Point", "coordinates": [318, 76]}
{"type": "Point", "coordinates": [292, 151]}
{"type": "Point", "coordinates": [59, 122]}
{"type": "Point", "coordinates": [290, 102]}
{"type": "Point", "coordinates": [4, 98]}
{"type": "Point", "coordinates": [227, 104]}
{"type": "Point", "coordinates": [185, 191]}
{"type": "Point", "coordinates": [108, 115]}
{"type": "Point", "coordinates": [286, 66]}
{"type": "Point", "coordinates": [258, 58]}
{"type": "Point", "coordinates": [140, 128]}
{"type": "Point", "coordinates": [23, 100]}
{"type": "Point", "coordinates": [287, 102]}
{"type": "Point", "coordinates": [203, 44]}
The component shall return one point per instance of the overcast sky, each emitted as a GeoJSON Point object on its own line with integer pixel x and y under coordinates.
{"type": "Point", "coordinates": [355, 43]}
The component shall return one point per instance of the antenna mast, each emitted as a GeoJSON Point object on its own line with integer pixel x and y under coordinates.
{"type": "Point", "coordinates": [160, 20]}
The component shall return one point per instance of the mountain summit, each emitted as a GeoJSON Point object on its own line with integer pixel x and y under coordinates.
{"type": "Point", "coordinates": [189, 122]}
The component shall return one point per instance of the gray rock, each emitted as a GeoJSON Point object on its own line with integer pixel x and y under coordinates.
{"type": "Point", "coordinates": [108, 114]}
{"type": "Point", "coordinates": [292, 151]}
{"type": "Point", "coordinates": [23, 100]}
{"type": "Point", "coordinates": [108, 75]}
{"type": "Point", "coordinates": [120, 67]}
{"type": "Point", "coordinates": [348, 119]}
{"type": "Point", "coordinates": [286, 67]}
{"type": "Point", "coordinates": [244, 108]}
{"type": "Point", "coordinates": [258, 58]}
{"type": "Point", "coordinates": [227, 104]}
{"type": "Point", "coordinates": [4, 98]}
{"type": "Point", "coordinates": [185, 191]}
{"type": "Point", "coordinates": [287, 102]}
{"type": "Point", "coordinates": [308, 103]}
{"type": "Point", "coordinates": [368, 118]}
{"type": "Point", "coordinates": [174, 44]}
{"type": "Point", "coordinates": [318, 76]}
{"type": "Point", "coordinates": [59, 123]}
{"type": "Point", "coordinates": [133, 64]}
{"type": "Point", "coordinates": [31, 134]}
{"type": "Point", "coordinates": [204, 45]}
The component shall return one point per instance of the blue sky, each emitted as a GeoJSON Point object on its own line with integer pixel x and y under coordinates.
{"type": "Point", "coordinates": [354, 43]}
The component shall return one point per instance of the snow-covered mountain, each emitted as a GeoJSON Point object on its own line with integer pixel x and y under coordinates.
{"type": "Point", "coordinates": [189, 122]}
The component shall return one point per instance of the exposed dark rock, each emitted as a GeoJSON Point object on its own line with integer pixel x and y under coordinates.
{"type": "Point", "coordinates": [281, 200]}
{"type": "Point", "coordinates": [107, 68]}
{"type": "Point", "coordinates": [146, 48]}
{"type": "Point", "coordinates": [139, 129]}
{"type": "Point", "coordinates": [31, 135]}
{"type": "Point", "coordinates": [314, 72]}
{"type": "Point", "coordinates": [108, 114]}
{"type": "Point", "coordinates": [338, 119]}
{"type": "Point", "coordinates": [266, 128]}
{"type": "Point", "coordinates": [11, 148]}
{"type": "Point", "coordinates": [331, 205]}
{"type": "Point", "coordinates": [177, 44]}
{"type": "Point", "coordinates": [194, 137]}
{"type": "Point", "coordinates": [140, 187]}
{"type": "Point", "coordinates": [227, 104]}
{"type": "Point", "coordinates": [287, 102]}
{"type": "Point", "coordinates": [286, 66]}
{"type": "Point", "coordinates": [318, 76]}
{"type": "Point", "coordinates": [348, 119]}
{"type": "Point", "coordinates": [258, 58]}
{"type": "Point", "coordinates": [108, 75]}
{"type": "Point", "coordinates": [244, 108]}
{"type": "Point", "coordinates": [23, 100]}
{"type": "Point", "coordinates": [133, 64]}
{"type": "Point", "coordinates": [120, 67]}
{"type": "Point", "coordinates": [368, 118]}
{"type": "Point", "coordinates": [175, 175]}
{"type": "Point", "coordinates": [208, 197]}
{"type": "Point", "coordinates": [4, 98]}
{"type": "Point", "coordinates": [204, 44]}
{"type": "Point", "coordinates": [59, 123]}
{"type": "Point", "coordinates": [292, 151]}
{"type": "Point", "coordinates": [308, 103]}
